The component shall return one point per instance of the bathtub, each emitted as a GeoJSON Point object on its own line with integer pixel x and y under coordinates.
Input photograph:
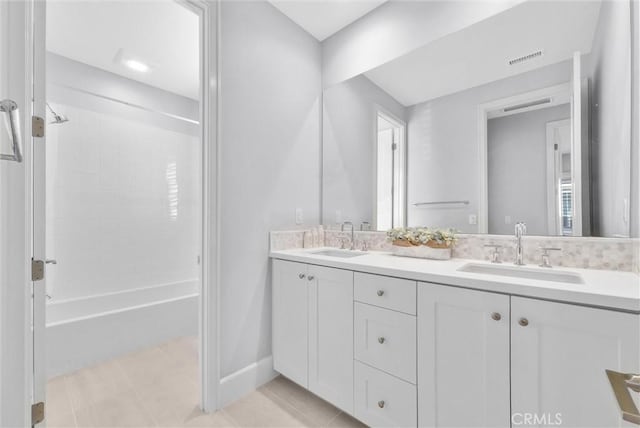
{"type": "Point", "coordinates": [85, 331]}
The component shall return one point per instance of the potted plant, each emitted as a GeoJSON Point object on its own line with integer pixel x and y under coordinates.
{"type": "Point", "coordinates": [422, 242]}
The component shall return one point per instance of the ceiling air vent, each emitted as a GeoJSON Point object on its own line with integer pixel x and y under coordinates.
{"type": "Point", "coordinates": [524, 58]}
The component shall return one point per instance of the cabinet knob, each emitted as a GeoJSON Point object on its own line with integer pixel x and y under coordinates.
{"type": "Point", "coordinates": [381, 404]}
{"type": "Point", "coordinates": [310, 277]}
{"type": "Point", "coordinates": [523, 322]}
{"type": "Point", "coordinates": [380, 293]}
{"type": "Point", "coordinates": [301, 275]}
{"type": "Point", "coordinates": [496, 316]}
{"type": "Point", "coordinates": [381, 340]}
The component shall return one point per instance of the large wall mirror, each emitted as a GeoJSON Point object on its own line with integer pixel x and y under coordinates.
{"type": "Point", "coordinates": [522, 117]}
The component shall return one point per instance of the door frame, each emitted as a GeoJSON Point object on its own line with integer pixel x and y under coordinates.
{"type": "Point", "coordinates": [562, 92]}
{"type": "Point", "coordinates": [16, 356]}
{"type": "Point", "coordinates": [20, 388]}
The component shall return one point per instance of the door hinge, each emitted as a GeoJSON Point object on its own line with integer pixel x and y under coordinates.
{"type": "Point", "coordinates": [555, 146]}
{"type": "Point", "coordinates": [394, 146]}
{"type": "Point", "coordinates": [37, 413]}
{"type": "Point", "coordinates": [37, 126]}
{"type": "Point", "coordinates": [37, 270]}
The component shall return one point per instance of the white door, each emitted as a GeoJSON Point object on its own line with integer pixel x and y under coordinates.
{"type": "Point", "coordinates": [559, 354]}
{"type": "Point", "coordinates": [20, 92]}
{"type": "Point", "coordinates": [290, 314]}
{"type": "Point", "coordinates": [331, 335]}
{"type": "Point", "coordinates": [463, 357]}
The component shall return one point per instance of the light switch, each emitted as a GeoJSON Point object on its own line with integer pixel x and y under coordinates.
{"type": "Point", "coordinates": [338, 217]}
{"type": "Point", "coordinates": [299, 216]}
{"type": "Point", "coordinates": [473, 219]}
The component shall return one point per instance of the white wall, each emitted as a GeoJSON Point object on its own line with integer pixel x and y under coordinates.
{"type": "Point", "coordinates": [270, 138]}
{"type": "Point", "coordinates": [349, 137]}
{"type": "Point", "coordinates": [123, 192]}
{"type": "Point", "coordinates": [611, 119]}
{"type": "Point", "coordinates": [396, 28]}
{"type": "Point", "coordinates": [443, 156]}
{"type": "Point", "coordinates": [517, 169]}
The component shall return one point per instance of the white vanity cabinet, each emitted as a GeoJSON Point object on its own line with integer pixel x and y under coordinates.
{"type": "Point", "coordinates": [331, 335]}
{"type": "Point", "coordinates": [290, 320]}
{"type": "Point", "coordinates": [313, 329]}
{"type": "Point", "coordinates": [396, 352]}
{"type": "Point", "coordinates": [463, 357]}
{"type": "Point", "coordinates": [559, 353]}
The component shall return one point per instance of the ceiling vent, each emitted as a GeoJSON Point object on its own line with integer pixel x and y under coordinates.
{"type": "Point", "coordinates": [525, 58]}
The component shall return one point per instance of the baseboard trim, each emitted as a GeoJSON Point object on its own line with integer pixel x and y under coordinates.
{"type": "Point", "coordinates": [248, 379]}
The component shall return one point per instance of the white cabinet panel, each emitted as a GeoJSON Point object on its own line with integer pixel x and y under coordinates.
{"type": "Point", "coordinates": [391, 293]}
{"type": "Point", "coordinates": [382, 400]}
{"type": "Point", "coordinates": [559, 355]}
{"type": "Point", "coordinates": [290, 314]}
{"type": "Point", "coordinates": [331, 335]}
{"type": "Point", "coordinates": [463, 357]}
{"type": "Point", "coordinates": [386, 340]}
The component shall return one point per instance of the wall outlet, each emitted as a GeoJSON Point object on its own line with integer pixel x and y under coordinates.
{"type": "Point", "coordinates": [507, 219]}
{"type": "Point", "coordinates": [473, 219]}
{"type": "Point", "coordinates": [299, 216]}
{"type": "Point", "coordinates": [338, 217]}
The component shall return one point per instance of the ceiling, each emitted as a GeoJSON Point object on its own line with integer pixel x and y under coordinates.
{"type": "Point", "coordinates": [323, 18]}
{"type": "Point", "coordinates": [480, 53]}
{"type": "Point", "coordinates": [159, 33]}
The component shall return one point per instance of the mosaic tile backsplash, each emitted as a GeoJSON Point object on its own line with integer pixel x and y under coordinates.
{"type": "Point", "coordinates": [586, 253]}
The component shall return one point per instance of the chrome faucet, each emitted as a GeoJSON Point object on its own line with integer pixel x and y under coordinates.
{"type": "Point", "coordinates": [521, 230]}
{"type": "Point", "coordinates": [353, 241]}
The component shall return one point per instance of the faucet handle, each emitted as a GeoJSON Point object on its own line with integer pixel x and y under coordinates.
{"type": "Point", "coordinates": [546, 259]}
{"type": "Point", "coordinates": [495, 255]}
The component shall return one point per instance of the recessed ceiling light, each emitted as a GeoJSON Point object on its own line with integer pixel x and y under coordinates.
{"type": "Point", "coordinates": [132, 61]}
{"type": "Point", "coordinates": [137, 65]}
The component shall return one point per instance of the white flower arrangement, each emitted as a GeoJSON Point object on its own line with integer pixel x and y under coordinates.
{"type": "Point", "coordinates": [432, 237]}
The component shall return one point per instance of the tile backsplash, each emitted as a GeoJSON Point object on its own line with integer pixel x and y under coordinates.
{"type": "Point", "coordinates": [587, 253]}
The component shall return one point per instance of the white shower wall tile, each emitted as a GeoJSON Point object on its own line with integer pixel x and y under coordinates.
{"type": "Point", "coordinates": [586, 253]}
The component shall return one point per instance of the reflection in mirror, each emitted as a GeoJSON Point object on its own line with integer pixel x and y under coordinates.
{"type": "Point", "coordinates": [504, 121]}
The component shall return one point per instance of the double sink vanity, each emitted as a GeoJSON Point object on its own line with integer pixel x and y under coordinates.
{"type": "Point", "coordinates": [406, 342]}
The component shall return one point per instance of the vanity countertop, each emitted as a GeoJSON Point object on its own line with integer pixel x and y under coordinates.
{"type": "Point", "coordinates": [601, 288]}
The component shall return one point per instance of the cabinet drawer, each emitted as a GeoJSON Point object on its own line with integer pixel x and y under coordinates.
{"type": "Point", "coordinates": [386, 340]}
{"type": "Point", "coordinates": [384, 291]}
{"type": "Point", "coordinates": [382, 400]}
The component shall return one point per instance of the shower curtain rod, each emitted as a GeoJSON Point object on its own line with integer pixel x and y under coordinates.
{"type": "Point", "coordinates": [147, 109]}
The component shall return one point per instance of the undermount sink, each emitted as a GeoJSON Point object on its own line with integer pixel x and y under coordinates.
{"type": "Point", "coordinates": [523, 272]}
{"type": "Point", "coordinates": [345, 254]}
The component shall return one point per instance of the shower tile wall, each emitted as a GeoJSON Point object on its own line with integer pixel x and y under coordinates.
{"type": "Point", "coordinates": [122, 204]}
{"type": "Point", "coordinates": [123, 185]}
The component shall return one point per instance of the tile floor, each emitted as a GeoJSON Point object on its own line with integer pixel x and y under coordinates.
{"type": "Point", "coordinates": [158, 387]}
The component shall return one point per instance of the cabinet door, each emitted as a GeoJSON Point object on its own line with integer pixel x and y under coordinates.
{"type": "Point", "coordinates": [463, 357]}
{"type": "Point", "coordinates": [331, 335]}
{"type": "Point", "coordinates": [559, 354]}
{"type": "Point", "coordinates": [290, 314]}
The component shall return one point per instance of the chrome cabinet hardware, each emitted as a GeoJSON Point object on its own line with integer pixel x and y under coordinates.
{"type": "Point", "coordinates": [621, 383]}
{"type": "Point", "coordinates": [465, 202]}
{"type": "Point", "coordinates": [381, 404]}
{"type": "Point", "coordinates": [495, 255]}
{"type": "Point", "coordinates": [381, 340]}
{"type": "Point", "coordinates": [380, 293]}
{"type": "Point", "coordinates": [546, 259]}
{"type": "Point", "coordinates": [51, 261]}
{"type": "Point", "coordinates": [310, 277]}
{"type": "Point", "coordinates": [496, 316]}
{"type": "Point", "coordinates": [523, 322]}
{"type": "Point", "coordinates": [10, 107]}
{"type": "Point", "coordinates": [301, 275]}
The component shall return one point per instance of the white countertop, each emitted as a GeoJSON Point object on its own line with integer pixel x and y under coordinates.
{"type": "Point", "coordinates": [601, 288]}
